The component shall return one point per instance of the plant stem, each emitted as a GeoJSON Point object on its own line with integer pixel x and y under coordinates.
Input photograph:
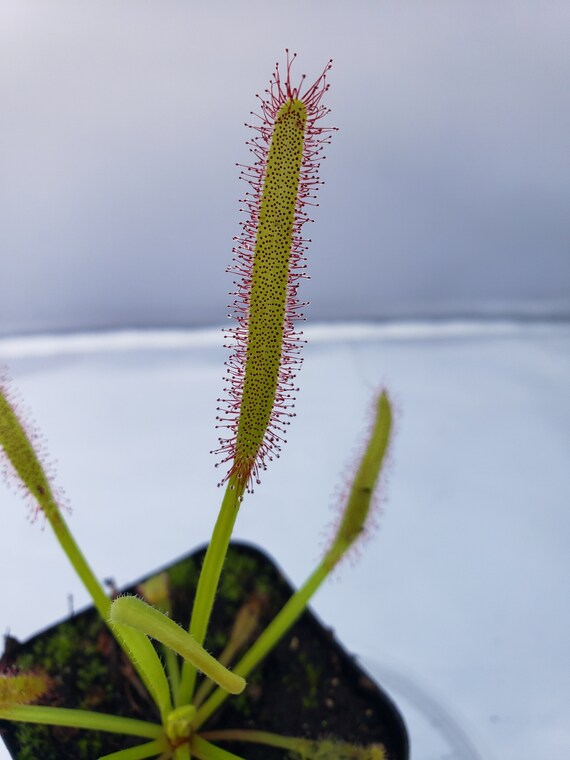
{"type": "Point", "coordinates": [62, 716]}
{"type": "Point", "coordinates": [209, 579]}
{"type": "Point", "coordinates": [140, 752]}
{"type": "Point", "coordinates": [206, 751]}
{"type": "Point", "coordinates": [80, 565]}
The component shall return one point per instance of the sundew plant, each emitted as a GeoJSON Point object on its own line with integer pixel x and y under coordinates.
{"type": "Point", "coordinates": [268, 265]}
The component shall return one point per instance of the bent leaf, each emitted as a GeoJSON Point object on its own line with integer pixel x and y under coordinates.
{"type": "Point", "coordinates": [130, 611]}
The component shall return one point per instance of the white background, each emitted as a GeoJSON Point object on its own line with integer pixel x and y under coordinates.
{"type": "Point", "coordinates": [121, 122]}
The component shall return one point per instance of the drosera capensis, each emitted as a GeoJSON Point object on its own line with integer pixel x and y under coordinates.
{"type": "Point", "coordinates": [269, 262]}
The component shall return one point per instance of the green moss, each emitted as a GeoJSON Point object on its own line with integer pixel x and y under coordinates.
{"type": "Point", "coordinates": [54, 652]}
{"type": "Point", "coordinates": [217, 641]}
{"type": "Point", "coordinates": [313, 674]}
{"type": "Point", "coordinates": [244, 703]}
{"type": "Point", "coordinates": [93, 671]}
{"type": "Point", "coordinates": [34, 743]}
{"type": "Point", "coordinates": [237, 575]}
{"type": "Point", "coordinates": [37, 742]}
{"type": "Point", "coordinates": [26, 661]}
{"type": "Point", "coordinates": [264, 585]}
{"type": "Point", "coordinates": [184, 575]}
{"type": "Point", "coordinates": [60, 649]}
{"type": "Point", "coordinates": [90, 745]}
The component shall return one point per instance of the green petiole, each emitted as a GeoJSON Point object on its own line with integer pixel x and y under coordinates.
{"type": "Point", "coordinates": [208, 581]}
{"type": "Point", "coordinates": [206, 751]}
{"type": "Point", "coordinates": [61, 716]}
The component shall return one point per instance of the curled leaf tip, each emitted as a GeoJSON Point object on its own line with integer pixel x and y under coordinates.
{"type": "Point", "coordinates": [269, 262]}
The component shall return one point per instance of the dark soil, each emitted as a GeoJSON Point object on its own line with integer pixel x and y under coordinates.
{"type": "Point", "coordinates": [308, 686]}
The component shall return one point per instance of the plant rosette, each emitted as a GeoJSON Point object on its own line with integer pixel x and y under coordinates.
{"type": "Point", "coordinates": [308, 687]}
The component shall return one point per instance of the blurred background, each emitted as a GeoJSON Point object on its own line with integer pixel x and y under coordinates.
{"type": "Point", "coordinates": [447, 186]}
{"type": "Point", "coordinates": [440, 267]}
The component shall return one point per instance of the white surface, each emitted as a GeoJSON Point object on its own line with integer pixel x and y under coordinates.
{"type": "Point", "coordinates": [121, 122]}
{"type": "Point", "coordinates": [464, 589]}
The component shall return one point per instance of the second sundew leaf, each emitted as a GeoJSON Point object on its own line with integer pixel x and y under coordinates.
{"type": "Point", "coordinates": [269, 261]}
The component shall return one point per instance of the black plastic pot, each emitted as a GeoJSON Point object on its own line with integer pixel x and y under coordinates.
{"type": "Point", "coordinates": [308, 686]}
